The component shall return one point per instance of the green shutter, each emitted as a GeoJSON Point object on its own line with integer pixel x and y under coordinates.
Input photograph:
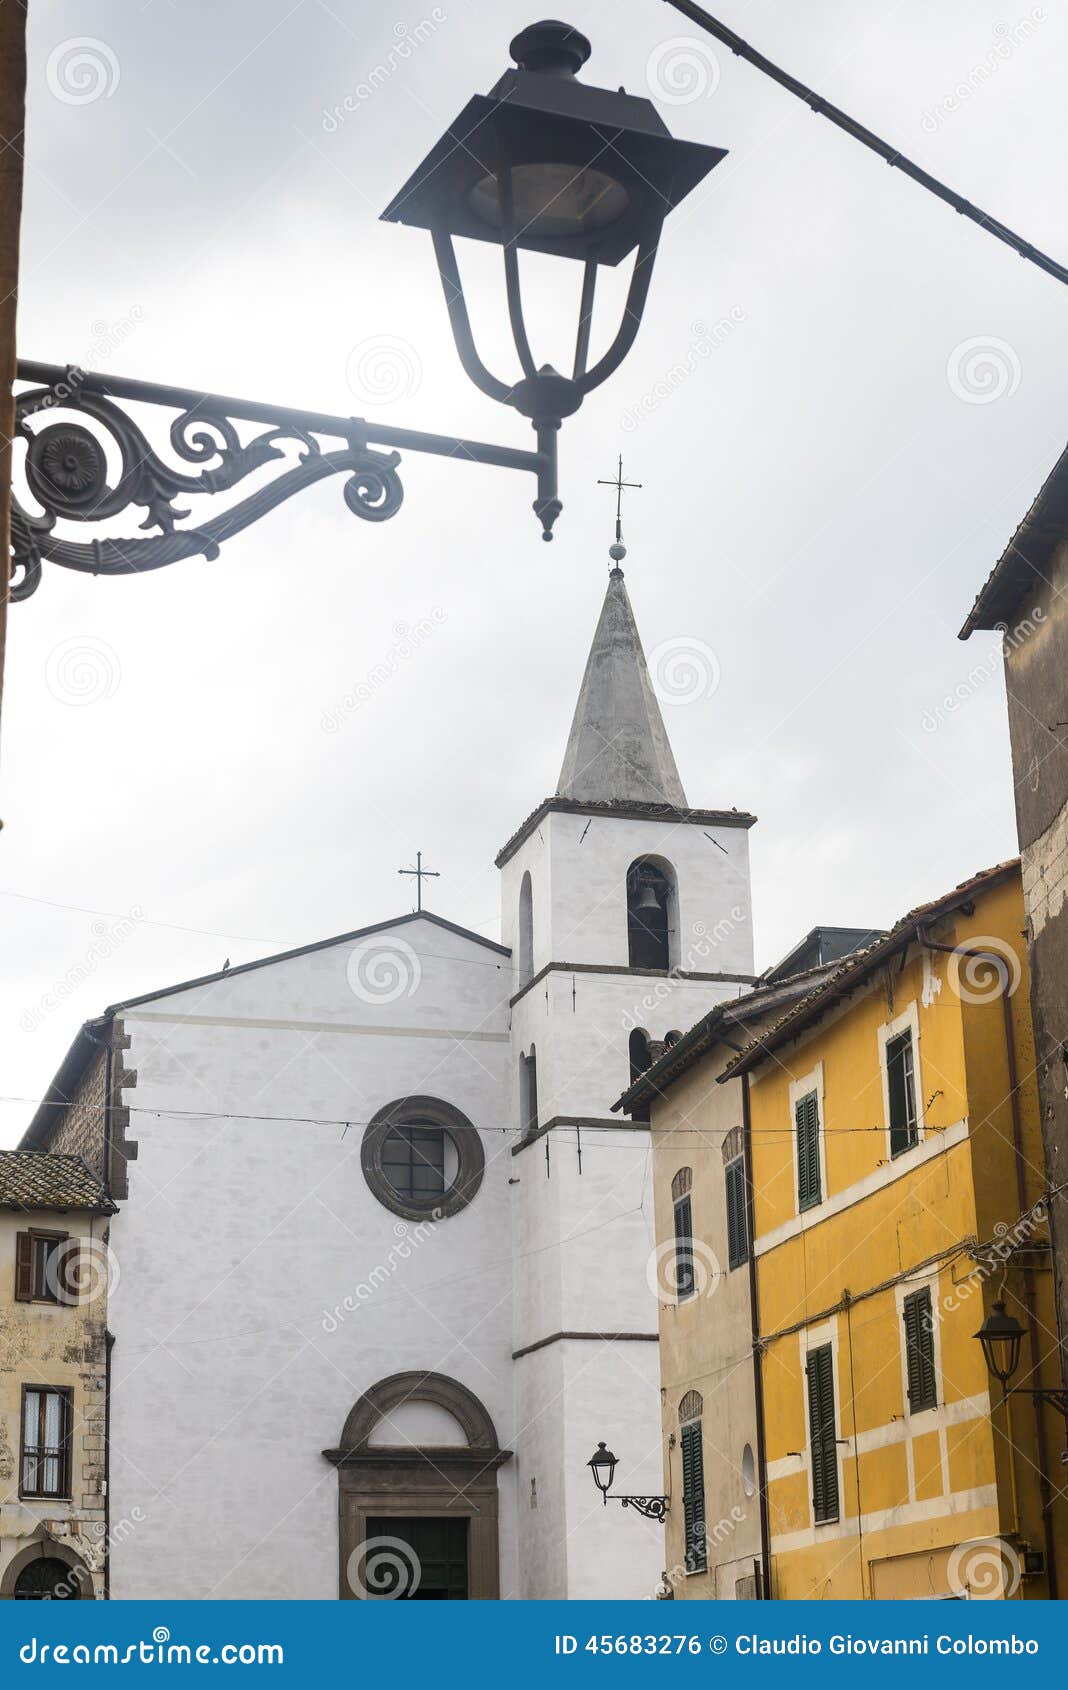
{"type": "Point", "coordinates": [807, 1117]}
{"type": "Point", "coordinates": [684, 1268]}
{"type": "Point", "coordinates": [693, 1498]}
{"type": "Point", "coordinates": [919, 1350]}
{"type": "Point", "coordinates": [901, 1090]}
{"type": "Point", "coordinates": [822, 1437]}
{"type": "Point", "coordinates": [737, 1230]}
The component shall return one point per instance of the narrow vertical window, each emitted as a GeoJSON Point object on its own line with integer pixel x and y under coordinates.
{"type": "Point", "coordinates": [807, 1121]}
{"type": "Point", "coordinates": [528, 1091]}
{"type": "Point", "coordinates": [685, 1278]}
{"type": "Point", "coordinates": [693, 1498]}
{"type": "Point", "coordinates": [918, 1319]}
{"type": "Point", "coordinates": [737, 1229]}
{"type": "Point", "coordinates": [822, 1435]}
{"type": "Point", "coordinates": [526, 931]}
{"type": "Point", "coordinates": [901, 1090]}
{"type": "Point", "coordinates": [641, 1058]}
{"type": "Point", "coordinates": [650, 903]}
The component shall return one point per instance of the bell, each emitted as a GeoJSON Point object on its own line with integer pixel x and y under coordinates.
{"type": "Point", "coordinates": [647, 898]}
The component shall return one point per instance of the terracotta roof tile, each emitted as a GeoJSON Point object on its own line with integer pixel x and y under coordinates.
{"type": "Point", "coordinates": [37, 1179]}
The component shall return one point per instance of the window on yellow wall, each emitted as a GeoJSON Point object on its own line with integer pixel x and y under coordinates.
{"type": "Point", "coordinates": [822, 1435]}
{"type": "Point", "coordinates": [807, 1123]}
{"type": "Point", "coordinates": [901, 1090]}
{"type": "Point", "coordinates": [918, 1319]}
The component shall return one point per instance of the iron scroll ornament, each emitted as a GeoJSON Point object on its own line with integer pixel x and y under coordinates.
{"type": "Point", "coordinates": [66, 471]}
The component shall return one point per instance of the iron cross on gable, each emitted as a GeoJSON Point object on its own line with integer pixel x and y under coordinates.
{"type": "Point", "coordinates": [420, 874]}
{"type": "Point", "coordinates": [619, 484]}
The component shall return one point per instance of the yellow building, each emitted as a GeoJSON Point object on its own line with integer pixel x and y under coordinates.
{"type": "Point", "coordinates": [54, 1273]}
{"type": "Point", "coordinates": [896, 1177]}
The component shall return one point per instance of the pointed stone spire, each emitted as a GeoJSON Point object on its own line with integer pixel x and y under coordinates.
{"type": "Point", "coordinates": [618, 748]}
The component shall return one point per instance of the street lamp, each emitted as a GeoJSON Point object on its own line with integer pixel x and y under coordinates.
{"type": "Point", "coordinates": [543, 163]}
{"type": "Point", "coordinates": [602, 1465]}
{"type": "Point", "coordinates": [1001, 1336]}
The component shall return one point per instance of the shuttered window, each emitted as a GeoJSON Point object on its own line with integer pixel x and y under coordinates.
{"type": "Point", "coordinates": [822, 1436]}
{"type": "Point", "coordinates": [901, 1091]}
{"type": "Point", "coordinates": [684, 1272]}
{"type": "Point", "coordinates": [919, 1350]}
{"type": "Point", "coordinates": [44, 1268]}
{"type": "Point", "coordinates": [693, 1498]}
{"type": "Point", "coordinates": [737, 1231]}
{"type": "Point", "coordinates": [807, 1119]}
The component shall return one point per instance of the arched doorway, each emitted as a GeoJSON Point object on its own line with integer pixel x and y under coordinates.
{"type": "Point", "coordinates": [417, 1493]}
{"type": "Point", "coordinates": [46, 1572]}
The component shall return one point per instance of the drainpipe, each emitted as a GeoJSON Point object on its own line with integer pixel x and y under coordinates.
{"type": "Point", "coordinates": [109, 1345]}
{"type": "Point", "coordinates": [1045, 1490]}
{"type": "Point", "coordinates": [758, 1374]}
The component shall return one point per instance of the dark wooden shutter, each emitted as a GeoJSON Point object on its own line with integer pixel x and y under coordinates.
{"type": "Point", "coordinates": [822, 1437]}
{"type": "Point", "coordinates": [901, 1090]}
{"type": "Point", "coordinates": [809, 1189]}
{"type": "Point", "coordinates": [737, 1231]}
{"type": "Point", "coordinates": [24, 1267]}
{"type": "Point", "coordinates": [919, 1350]}
{"type": "Point", "coordinates": [684, 1269]}
{"type": "Point", "coordinates": [693, 1498]}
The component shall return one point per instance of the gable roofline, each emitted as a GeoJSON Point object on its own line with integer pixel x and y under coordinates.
{"type": "Point", "coordinates": [72, 1069]}
{"type": "Point", "coordinates": [711, 1030]}
{"type": "Point", "coordinates": [1027, 554]}
{"type": "Point", "coordinates": [627, 809]}
{"type": "Point", "coordinates": [855, 970]}
{"type": "Point", "coordinates": [308, 950]}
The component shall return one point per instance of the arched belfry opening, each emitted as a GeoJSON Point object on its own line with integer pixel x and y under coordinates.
{"type": "Point", "coordinates": [526, 931]}
{"type": "Point", "coordinates": [641, 1058]}
{"type": "Point", "coordinates": [652, 919]}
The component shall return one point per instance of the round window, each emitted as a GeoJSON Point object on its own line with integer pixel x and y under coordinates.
{"type": "Point", "coordinates": [748, 1470]}
{"type": "Point", "coordinates": [422, 1158]}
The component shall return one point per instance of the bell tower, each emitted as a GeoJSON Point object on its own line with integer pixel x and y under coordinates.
{"type": "Point", "coordinates": [628, 914]}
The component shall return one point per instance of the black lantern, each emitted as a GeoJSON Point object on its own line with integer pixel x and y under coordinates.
{"type": "Point", "coordinates": [602, 1465]}
{"type": "Point", "coordinates": [1001, 1335]}
{"type": "Point", "coordinates": [548, 164]}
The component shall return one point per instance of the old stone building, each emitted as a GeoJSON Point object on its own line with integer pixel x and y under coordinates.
{"type": "Point", "coordinates": [1024, 600]}
{"type": "Point", "coordinates": [54, 1274]}
{"type": "Point", "coordinates": [379, 1230]}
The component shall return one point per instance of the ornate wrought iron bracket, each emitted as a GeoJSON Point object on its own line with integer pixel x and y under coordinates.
{"type": "Point", "coordinates": [651, 1507]}
{"type": "Point", "coordinates": [68, 474]}
{"type": "Point", "coordinates": [1052, 1398]}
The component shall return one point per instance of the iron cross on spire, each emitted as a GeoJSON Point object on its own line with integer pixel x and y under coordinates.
{"type": "Point", "coordinates": [420, 874]}
{"type": "Point", "coordinates": [618, 551]}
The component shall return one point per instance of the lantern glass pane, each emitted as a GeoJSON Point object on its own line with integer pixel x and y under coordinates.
{"type": "Point", "coordinates": [553, 201]}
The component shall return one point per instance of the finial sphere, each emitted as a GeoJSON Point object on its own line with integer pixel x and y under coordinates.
{"type": "Point", "coordinates": [617, 552]}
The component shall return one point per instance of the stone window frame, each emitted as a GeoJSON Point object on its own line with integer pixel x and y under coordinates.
{"type": "Point", "coordinates": [471, 1158]}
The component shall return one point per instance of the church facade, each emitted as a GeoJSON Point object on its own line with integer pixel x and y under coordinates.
{"type": "Point", "coordinates": [388, 1267]}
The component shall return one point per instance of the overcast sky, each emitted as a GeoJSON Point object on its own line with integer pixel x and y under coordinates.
{"type": "Point", "coordinates": [225, 759]}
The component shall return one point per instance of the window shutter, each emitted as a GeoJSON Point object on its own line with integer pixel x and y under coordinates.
{"type": "Point", "coordinates": [901, 1090]}
{"type": "Point", "coordinates": [823, 1445]}
{"type": "Point", "coordinates": [808, 1151]}
{"type": "Point", "coordinates": [684, 1269]}
{"type": "Point", "coordinates": [737, 1231]}
{"type": "Point", "coordinates": [693, 1498]}
{"type": "Point", "coordinates": [23, 1267]}
{"type": "Point", "coordinates": [919, 1351]}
